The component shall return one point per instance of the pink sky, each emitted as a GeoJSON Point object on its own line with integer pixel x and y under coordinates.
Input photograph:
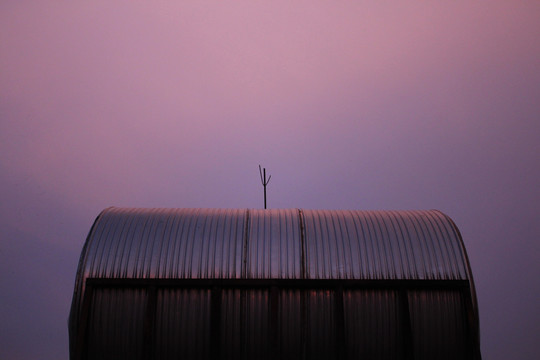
{"type": "Point", "coordinates": [360, 105]}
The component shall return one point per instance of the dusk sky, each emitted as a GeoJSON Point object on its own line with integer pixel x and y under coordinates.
{"type": "Point", "coordinates": [349, 105]}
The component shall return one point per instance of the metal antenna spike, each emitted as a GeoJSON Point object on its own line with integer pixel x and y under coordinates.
{"type": "Point", "coordinates": [264, 181]}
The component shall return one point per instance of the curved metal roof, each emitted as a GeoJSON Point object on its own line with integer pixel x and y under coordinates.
{"type": "Point", "coordinates": [278, 244]}
{"type": "Point", "coordinates": [287, 245]}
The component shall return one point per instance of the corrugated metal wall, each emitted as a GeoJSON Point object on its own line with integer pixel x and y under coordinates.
{"type": "Point", "coordinates": [269, 284]}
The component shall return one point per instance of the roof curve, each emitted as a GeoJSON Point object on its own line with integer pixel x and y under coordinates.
{"type": "Point", "coordinates": [273, 244]}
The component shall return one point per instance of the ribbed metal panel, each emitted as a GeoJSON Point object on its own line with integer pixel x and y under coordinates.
{"type": "Point", "coordinates": [186, 283]}
{"type": "Point", "coordinates": [373, 325]}
{"type": "Point", "coordinates": [382, 245]}
{"type": "Point", "coordinates": [292, 315]}
{"type": "Point", "coordinates": [116, 324]}
{"type": "Point", "coordinates": [274, 245]}
{"type": "Point", "coordinates": [321, 325]}
{"type": "Point", "coordinates": [439, 325]}
{"type": "Point", "coordinates": [182, 324]}
{"type": "Point", "coordinates": [215, 243]}
{"type": "Point", "coordinates": [165, 243]}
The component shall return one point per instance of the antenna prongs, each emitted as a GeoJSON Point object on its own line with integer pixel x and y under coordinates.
{"type": "Point", "coordinates": [264, 181]}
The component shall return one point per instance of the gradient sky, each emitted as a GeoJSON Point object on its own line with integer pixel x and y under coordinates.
{"type": "Point", "coordinates": [349, 105]}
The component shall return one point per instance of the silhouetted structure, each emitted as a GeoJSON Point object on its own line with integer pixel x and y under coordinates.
{"type": "Point", "coordinates": [273, 284]}
{"type": "Point", "coordinates": [264, 181]}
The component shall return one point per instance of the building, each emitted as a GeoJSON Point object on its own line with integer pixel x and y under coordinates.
{"type": "Point", "coordinates": [273, 284]}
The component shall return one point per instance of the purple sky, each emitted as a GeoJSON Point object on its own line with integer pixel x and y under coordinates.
{"type": "Point", "coordinates": [349, 105]}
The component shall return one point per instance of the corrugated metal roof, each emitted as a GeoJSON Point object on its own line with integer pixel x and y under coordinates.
{"type": "Point", "coordinates": [382, 245]}
{"type": "Point", "coordinates": [316, 244]}
{"type": "Point", "coordinates": [283, 284]}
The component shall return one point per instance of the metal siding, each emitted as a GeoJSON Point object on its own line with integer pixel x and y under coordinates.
{"type": "Point", "coordinates": [458, 254]}
{"type": "Point", "coordinates": [162, 243]}
{"type": "Point", "coordinates": [427, 244]}
{"type": "Point", "coordinates": [116, 324]}
{"type": "Point", "coordinates": [232, 325]}
{"type": "Point", "coordinates": [320, 342]}
{"type": "Point", "coordinates": [257, 320]}
{"type": "Point", "coordinates": [373, 324]}
{"type": "Point", "coordinates": [208, 243]}
{"type": "Point", "coordinates": [182, 324]}
{"type": "Point", "coordinates": [382, 245]}
{"type": "Point", "coordinates": [439, 325]}
{"type": "Point", "coordinates": [266, 323]}
{"type": "Point", "coordinates": [274, 244]}
{"type": "Point", "coordinates": [292, 330]}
